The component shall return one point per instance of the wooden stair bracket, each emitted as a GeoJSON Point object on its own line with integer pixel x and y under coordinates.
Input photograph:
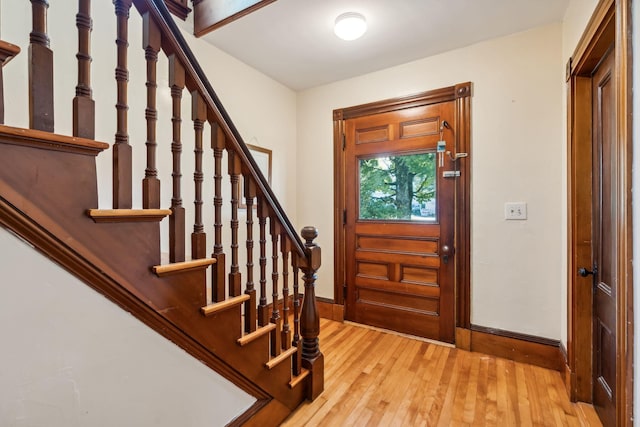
{"type": "Point", "coordinates": [128, 215]}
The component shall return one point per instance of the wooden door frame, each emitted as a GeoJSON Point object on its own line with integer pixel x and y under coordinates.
{"type": "Point", "coordinates": [461, 94]}
{"type": "Point", "coordinates": [610, 22]}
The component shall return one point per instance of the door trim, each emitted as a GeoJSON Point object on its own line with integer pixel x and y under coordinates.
{"type": "Point", "coordinates": [611, 21]}
{"type": "Point", "coordinates": [461, 94]}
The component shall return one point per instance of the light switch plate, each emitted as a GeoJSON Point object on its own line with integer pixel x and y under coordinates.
{"type": "Point", "coordinates": [515, 211]}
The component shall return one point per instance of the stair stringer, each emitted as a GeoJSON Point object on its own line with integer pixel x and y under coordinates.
{"type": "Point", "coordinates": [44, 195]}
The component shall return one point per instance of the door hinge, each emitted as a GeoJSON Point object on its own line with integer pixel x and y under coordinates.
{"type": "Point", "coordinates": [344, 141]}
{"type": "Point", "coordinates": [344, 217]}
{"type": "Point", "coordinates": [344, 292]}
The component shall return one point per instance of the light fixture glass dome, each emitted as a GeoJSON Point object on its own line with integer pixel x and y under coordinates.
{"type": "Point", "coordinates": [350, 26]}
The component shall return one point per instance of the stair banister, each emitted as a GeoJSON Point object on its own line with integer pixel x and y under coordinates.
{"type": "Point", "coordinates": [176, 292]}
{"type": "Point", "coordinates": [309, 252]}
{"type": "Point", "coordinates": [175, 44]}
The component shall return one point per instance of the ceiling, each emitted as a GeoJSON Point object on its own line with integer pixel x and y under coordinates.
{"type": "Point", "coordinates": [292, 41]}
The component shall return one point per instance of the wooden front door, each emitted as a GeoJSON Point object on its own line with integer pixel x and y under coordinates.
{"type": "Point", "coordinates": [604, 240]}
{"type": "Point", "coordinates": [399, 220]}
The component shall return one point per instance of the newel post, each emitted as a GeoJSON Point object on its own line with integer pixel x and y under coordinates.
{"type": "Point", "coordinates": [312, 358]}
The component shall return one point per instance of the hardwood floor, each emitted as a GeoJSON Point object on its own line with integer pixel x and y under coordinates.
{"type": "Point", "coordinates": [376, 378]}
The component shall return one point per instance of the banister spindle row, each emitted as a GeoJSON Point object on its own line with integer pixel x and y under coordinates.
{"type": "Point", "coordinates": [268, 232]}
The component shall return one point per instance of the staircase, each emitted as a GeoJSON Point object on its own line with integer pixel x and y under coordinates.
{"type": "Point", "coordinates": [252, 324]}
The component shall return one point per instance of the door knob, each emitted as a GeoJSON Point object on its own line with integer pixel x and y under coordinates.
{"type": "Point", "coordinates": [446, 251]}
{"type": "Point", "coordinates": [584, 272]}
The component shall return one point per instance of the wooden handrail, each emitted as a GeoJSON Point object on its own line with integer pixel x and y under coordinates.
{"type": "Point", "coordinates": [174, 43]}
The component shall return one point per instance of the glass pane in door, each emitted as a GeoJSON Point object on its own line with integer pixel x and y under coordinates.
{"type": "Point", "coordinates": [398, 187]}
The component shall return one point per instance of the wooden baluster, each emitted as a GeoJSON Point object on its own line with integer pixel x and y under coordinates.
{"type": "Point", "coordinates": [198, 237]}
{"type": "Point", "coordinates": [312, 358]}
{"type": "Point", "coordinates": [235, 280]}
{"type": "Point", "coordinates": [84, 108]}
{"type": "Point", "coordinates": [297, 360]}
{"type": "Point", "coordinates": [7, 52]}
{"type": "Point", "coordinates": [285, 248]}
{"type": "Point", "coordinates": [263, 307]}
{"type": "Point", "coordinates": [276, 336]}
{"type": "Point", "coordinates": [151, 45]}
{"type": "Point", "coordinates": [250, 311]}
{"type": "Point", "coordinates": [218, 271]}
{"type": "Point", "coordinates": [177, 217]}
{"type": "Point", "coordinates": [40, 70]}
{"type": "Point", "coordinates": [122, 160]}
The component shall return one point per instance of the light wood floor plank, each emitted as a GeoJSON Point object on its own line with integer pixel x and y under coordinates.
{"type": "Point", "coordinates": [380, 379]}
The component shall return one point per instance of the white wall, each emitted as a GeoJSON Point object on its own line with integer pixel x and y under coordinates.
{"type": "Point", "coordinates": [264, 112]}
{"type": "Point", "coordinates": [517, 152]}
{"type": "Point", "coordinates": [72, 358]}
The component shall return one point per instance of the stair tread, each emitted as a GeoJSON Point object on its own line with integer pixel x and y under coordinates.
{"type": "Point", "coordinates": [52, 141]}
{"type": "Point", "coordinates": [280, 358]}
{"type": "Point", "coordinates": [246, 339]}
{"type": "Point", "coordinates": [298, 379]}
{"type": "Point", "coordinates": [223, 305]}
{"type": "Point", "coordinates": [176, 267]}
{"type": "Point", "coordinates": [9, 51]}
{"type": "Point", "coordinates": [126, 215]}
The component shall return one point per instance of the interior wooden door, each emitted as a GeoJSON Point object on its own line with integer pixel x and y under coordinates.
{"type": "Point", "coordinates": [604, 240]}
{"type": "Point", "coordinates": [399, 221]}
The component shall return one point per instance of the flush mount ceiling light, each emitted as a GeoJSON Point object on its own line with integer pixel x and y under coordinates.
{"type": "Point", "coordinates": [350, 26]}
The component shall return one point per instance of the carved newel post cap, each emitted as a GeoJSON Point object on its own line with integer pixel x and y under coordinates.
{"type": "Point", "coordinates": [313, 251]}
{"type": "Point", "coordinates": [309, 233]}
